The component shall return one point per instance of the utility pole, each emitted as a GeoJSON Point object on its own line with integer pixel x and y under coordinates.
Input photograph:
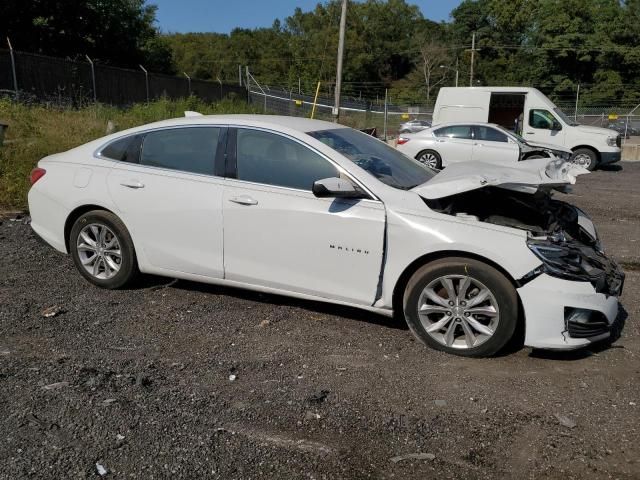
{"type": "Point", "coordinates": [457, 70]}
{"type": "Point", "coordinates": [343, 25]}
{"type": "Point", "coordinates": [473, 51]}
{"type": "Point", "coordinates": [575, 112]}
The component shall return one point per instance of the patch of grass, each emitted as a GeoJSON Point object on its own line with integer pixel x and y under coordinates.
{"type": "Point", "coordinates": [36, 131]}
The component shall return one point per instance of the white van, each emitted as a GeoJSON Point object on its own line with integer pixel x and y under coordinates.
{"type": "Point", "coordinates": [533, 116]}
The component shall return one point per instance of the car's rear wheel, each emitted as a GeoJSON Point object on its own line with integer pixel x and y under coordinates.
{"type": "Point", "coordinates": [430, 158]}
{"type": "Point", "coordinates": [585, 158]}
{"type": "Point", "coordinates": [102, 249]}
{"type": "Point", "coordinates": [461, 306]}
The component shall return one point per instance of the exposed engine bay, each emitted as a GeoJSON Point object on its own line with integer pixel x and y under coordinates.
{"type": "Point", "coordinates": [561, 235]}
{"type": "Point", "coordinates": [537, 213]}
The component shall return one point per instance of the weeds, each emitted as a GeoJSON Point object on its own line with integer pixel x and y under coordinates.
{"type": "Point", "coordinates": [36, 131]}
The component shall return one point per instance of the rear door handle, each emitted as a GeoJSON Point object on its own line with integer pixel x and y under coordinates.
{"type": "Point", "coordinates": [530, 133]}
{"type": "Point", "coordinates": [132, 184]}
{"type": "Point", "coordinates": [244, 200]}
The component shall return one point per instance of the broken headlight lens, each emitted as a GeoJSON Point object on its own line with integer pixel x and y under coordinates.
{"type": "Point", "coordinates": [560, 260]}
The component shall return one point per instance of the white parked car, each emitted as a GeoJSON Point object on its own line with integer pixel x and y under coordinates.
{"type": "Point", "coordinates": [315, 210]}
{"type": "Point", "coordinates": [532, 115]}
{"type": "Point", "coordinates": [413, 126]}
{"type": "Point", "coordinates": [449, 143]}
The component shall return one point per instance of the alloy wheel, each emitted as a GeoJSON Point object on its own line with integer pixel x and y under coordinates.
{"type": "Point", "coordinates": [99, 251]}
{"type": "Point", "coordinates": [458, 311]}
{"type": "Point", "coordinates": [429, 159]}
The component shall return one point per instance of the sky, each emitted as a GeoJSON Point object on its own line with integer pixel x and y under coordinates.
{"type": "Point", "coordinates": [224, 15]}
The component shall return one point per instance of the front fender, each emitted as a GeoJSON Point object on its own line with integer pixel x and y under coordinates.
{"type": "Point", "coordinates": [412, 237]}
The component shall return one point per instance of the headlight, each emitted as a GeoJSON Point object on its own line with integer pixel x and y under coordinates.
{"type": "Point", "coordinates": [611, 141]}
{"type": "Point", "coordinates": [560, 260]}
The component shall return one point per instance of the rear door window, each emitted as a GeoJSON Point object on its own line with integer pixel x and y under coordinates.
{"type": "Point", "coordinates": [188, 149]}
{"type": "Point", "coordinates": [455, 131]}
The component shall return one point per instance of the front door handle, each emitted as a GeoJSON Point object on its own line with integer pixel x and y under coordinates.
{"type": "Point", "coordinates": [478, 145]}
{"type": "Point", "coordinates": [530, 133]}
{"type": "Point", "coordinates": [132, 184]}
{"type": "Point", "coordinates": [244, 200]}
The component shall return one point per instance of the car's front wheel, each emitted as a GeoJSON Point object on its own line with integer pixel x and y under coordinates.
{"type": "Point", "coordinates": [430, 158]}
{"type": "Point", "coordinates": [461, 306]}
{"type": "Point", "coordinates": [102, 249]}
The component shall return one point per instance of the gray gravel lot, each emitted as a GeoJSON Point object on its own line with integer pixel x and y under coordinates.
{"type": "Point", "coordinates": [138, 381]}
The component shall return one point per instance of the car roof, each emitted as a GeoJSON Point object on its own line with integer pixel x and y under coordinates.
{"type": "Point", "coordinates": [454, 124]}
{"type": "Point", "coordinates": [267, 121]}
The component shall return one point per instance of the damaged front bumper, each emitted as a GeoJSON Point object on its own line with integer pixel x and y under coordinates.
{"type": "Point", "coordinates": [565, 314]}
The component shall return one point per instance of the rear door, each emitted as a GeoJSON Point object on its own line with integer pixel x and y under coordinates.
{"type": "Point", "coordinates": [170, 199]}
{"type": "Point", "coordinates": [277, 234]}
{"type": "Point", "coordinates": [454, 143]}
{"type": "Point", "coordinates": [492, 145]}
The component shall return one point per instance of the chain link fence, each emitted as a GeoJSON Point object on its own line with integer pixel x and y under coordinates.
{"type": "Point", "coordinates": [64, 82]}
{"type": "Point", "coordinates": [387, 116]}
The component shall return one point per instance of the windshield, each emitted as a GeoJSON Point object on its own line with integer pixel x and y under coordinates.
{"type": "Point", "coordinates": [512, 134]}
{"type": "Point", "coordinates": [379, 159]}
{"type": "Point", "coordinates": [565, 118]}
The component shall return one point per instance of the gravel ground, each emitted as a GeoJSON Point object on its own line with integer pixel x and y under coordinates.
{"type": "Point", "coordinates": [182, 380]}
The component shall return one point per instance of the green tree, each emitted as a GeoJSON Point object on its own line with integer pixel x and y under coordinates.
{"type": "Point", "coordinates": [121, 32]}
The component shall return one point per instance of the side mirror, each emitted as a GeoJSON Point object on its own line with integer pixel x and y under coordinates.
{"type": "Point", "coordinates": [556, 126]}
{"type": "Point", "coordinates": [336, 188]}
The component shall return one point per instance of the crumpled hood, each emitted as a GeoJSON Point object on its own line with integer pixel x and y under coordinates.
{"type": "Point", "coordinates": [524, 177]}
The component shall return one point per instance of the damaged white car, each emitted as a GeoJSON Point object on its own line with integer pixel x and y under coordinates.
{"type": "Point", "coordinates": [315, 210]}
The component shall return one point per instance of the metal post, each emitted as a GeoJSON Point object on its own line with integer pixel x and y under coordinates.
{"type": "Point", "coordinates": [473, 51]}
{"type": "Point", "coordinates": [188, 82]}
{"type": "Point", "coordinates": [384, 128]}
{"type": "Point", "coordinates": [13, 67]}
{"type": "Point", "coordinates": [343, 26]}
{"type": "Point", "coordinates": [315, 100]}
{"type": "Point", "coordinates": [146, 80]}
{"type": "Point", "coordinates": [299, 86]}
{"type": "Point", "coordinates": [220, 82]}
{"type": "Point", "coordinates": [240, 75]}
{"type": "Point", "coordinates": [575, 113]}
{"type": "Point", "coordinates": [93, 79]}
{"type": "Point", "coordinates": [457, 71]}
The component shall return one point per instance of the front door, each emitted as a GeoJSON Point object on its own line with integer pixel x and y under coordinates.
{"type": "Point", "coordinates": [277, 234]}
{"type": "Point", "coordinates": [543, 126]}
{"type": "Point", "coordinates": [171, 201]}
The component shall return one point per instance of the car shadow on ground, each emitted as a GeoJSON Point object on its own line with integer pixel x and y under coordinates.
{"type": "Point", "coordinates": [614, 167]}
{"type": "Point", "coordinates": [156, 283]}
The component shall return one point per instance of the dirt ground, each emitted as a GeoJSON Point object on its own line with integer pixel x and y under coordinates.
{"type": "Point", "coordinates": [182, 380]}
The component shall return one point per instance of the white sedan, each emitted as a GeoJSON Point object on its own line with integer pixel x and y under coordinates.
{"type": "Point", "coordinates": [447, 143]}
{"type": "Point", "coordinates": [315, 210]}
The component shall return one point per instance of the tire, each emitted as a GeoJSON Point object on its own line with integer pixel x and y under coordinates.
{"type": "Point", "coordinates": [430, 158]}
{"type": "Point", "coordinates": [490, 331]}
{"type": "Point", "coordinates": [99, 233]}
{"type": "Point", "coordinates": [586, 158]}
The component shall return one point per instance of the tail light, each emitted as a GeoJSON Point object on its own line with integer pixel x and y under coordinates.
{"type": "Point", "coordinates": [36, 174]}
{"type": "Point", "coordinates": [402, 140]}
